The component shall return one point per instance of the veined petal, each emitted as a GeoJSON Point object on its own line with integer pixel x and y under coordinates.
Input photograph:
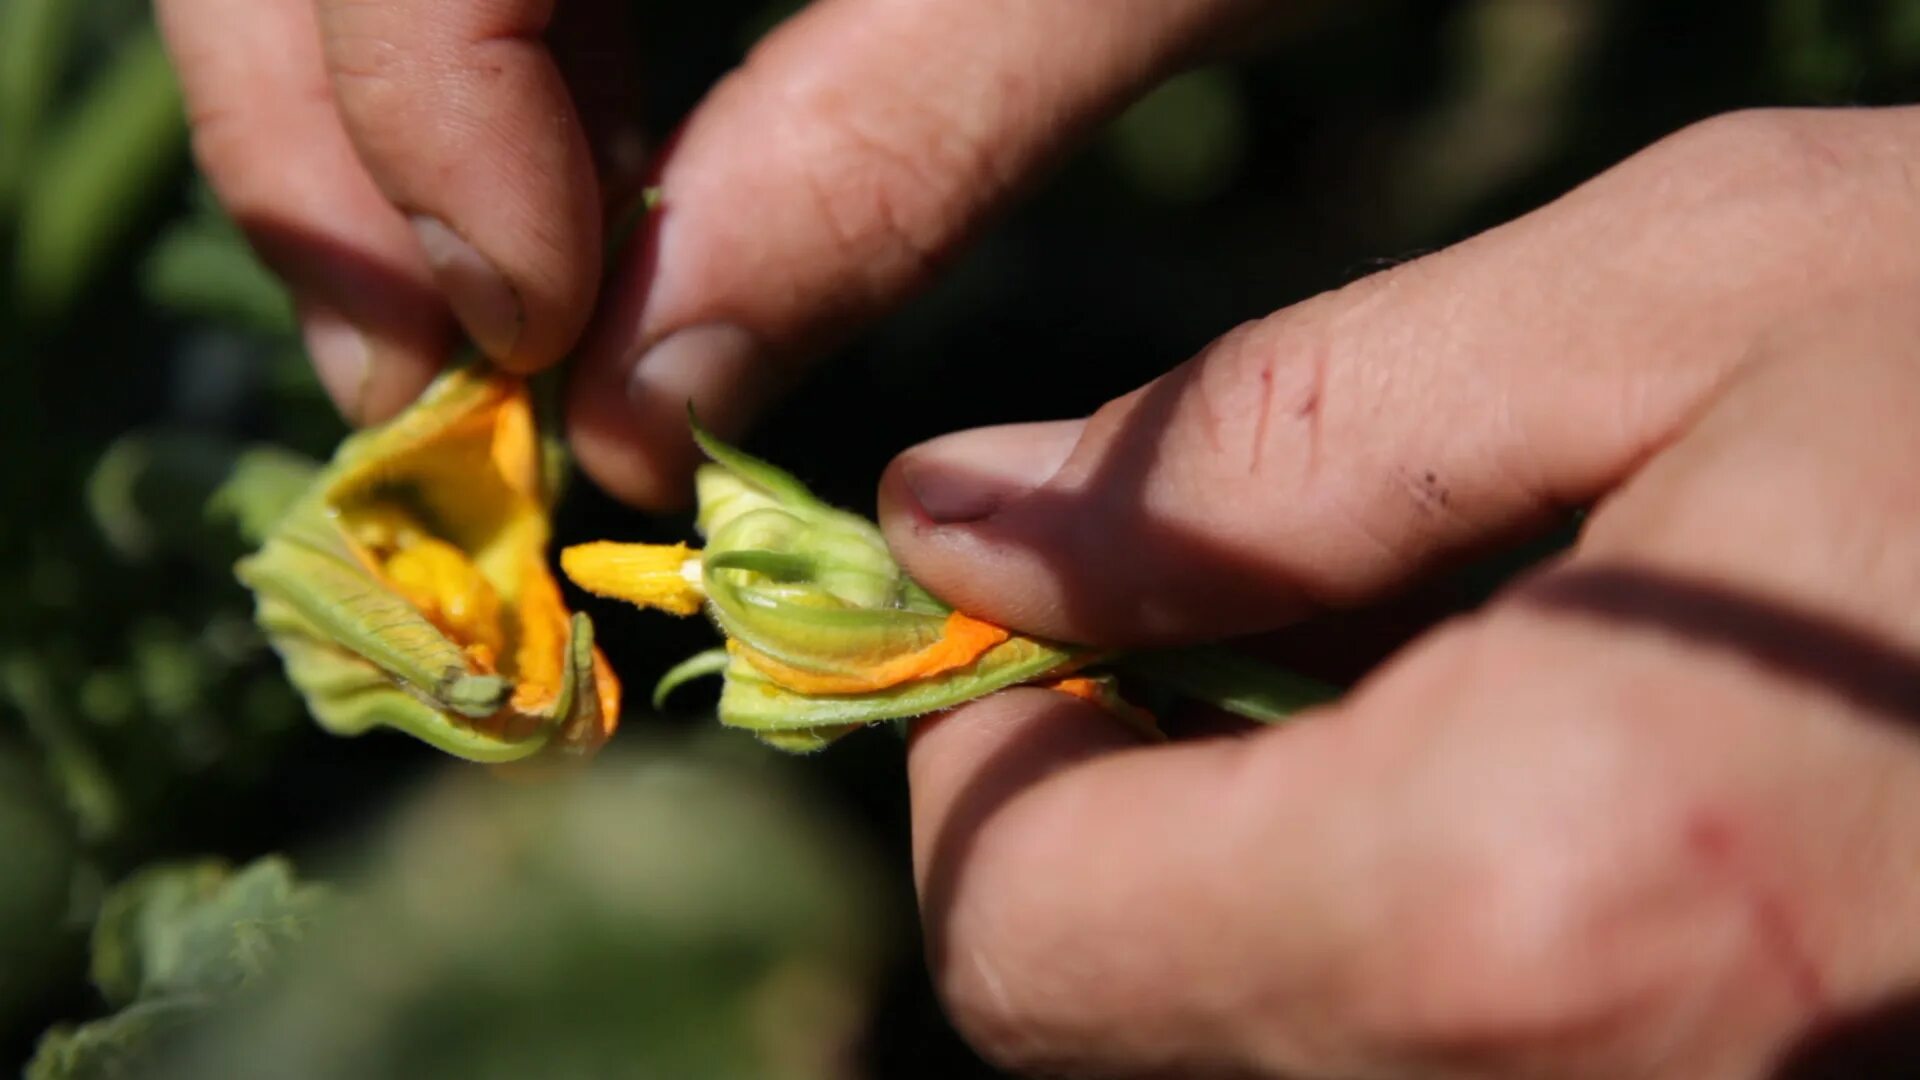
{"type": "Point", "coordinates": [409, 588]}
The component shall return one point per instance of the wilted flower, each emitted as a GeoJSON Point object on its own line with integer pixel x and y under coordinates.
{"type": "Point", "coordinates": [407, 586]}
{"type": "Point", "coordinates": [824, 632]}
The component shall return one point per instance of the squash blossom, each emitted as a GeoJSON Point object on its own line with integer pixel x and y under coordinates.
{"type": "Point", "coordinates": [824, 631]}
{"type": "Point", "coordinates": [407, 585]}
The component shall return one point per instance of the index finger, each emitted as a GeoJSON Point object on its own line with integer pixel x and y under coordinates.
{"type": "Point", "coordinates": [464, 121]}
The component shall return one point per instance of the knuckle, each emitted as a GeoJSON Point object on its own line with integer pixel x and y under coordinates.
{"type": "Point", "coordinates": [242, 149]}
{"type": "Point", "coordinates": [1791, 172]}
{"type": "Point", "coordinates": [371, 77]}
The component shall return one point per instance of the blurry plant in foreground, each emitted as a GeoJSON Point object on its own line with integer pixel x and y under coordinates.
{"type": "Point", "coordinates": [677, 911]}
{"type": "Point", "coordinates": [172, 944]}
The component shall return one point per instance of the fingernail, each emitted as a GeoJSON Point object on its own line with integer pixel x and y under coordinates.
{"type": "Point", "coordinates": [480, 297]}
{"type": "Point", "coordinates": [970, 476]}
{"type": "Point", "coordinates": [718, 367]}
{"type": "Point", "coordinates": [340, 357]}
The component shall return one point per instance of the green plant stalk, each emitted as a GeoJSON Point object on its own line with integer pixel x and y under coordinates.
{"type": "Point", "coordinates": [91, 180]}
{"type": "Point", "coordinates": [35, 38]}
{"type": "Point", "coordinates": [1227, 680]}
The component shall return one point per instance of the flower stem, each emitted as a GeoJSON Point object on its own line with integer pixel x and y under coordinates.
{"type": "Point", "coordinates": [1228, 680]}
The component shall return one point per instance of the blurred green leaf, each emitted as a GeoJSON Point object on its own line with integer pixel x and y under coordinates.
{"type": "Point", "coordinates": [204, 268]}
{"type": "Point", "coordinates": [1184, 142]}
{"type": "Point", "coordinates": [150, 492]}
{"type": "Point", "coordinates": [198, 928]}
{"type": "Point", "coordinates": [73, 767]}
{"type": "Point", "coordinates": [170, 945]}
{"type": "Point", "coordinates": [264, 483]}
{"type": "Point", "coordinates": [118, 1047]}
{"type": "Point", "coordinates": [35, 38]}
{"type": "Point", "coordinates": [100, 169]}
{"type": "Point", "coordinates": [663, 914]}
{"type": "Point", "coordinates": [37, 857]}
{"type": "Point", "coordinates": [1900, 32]}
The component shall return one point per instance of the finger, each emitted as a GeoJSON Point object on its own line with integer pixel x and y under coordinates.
{"type": "Point", "coordinates": [1640, 817]}
{"type": "Point", "coordinates": [824, 180]}
{"type": "Point", "coordinates": [1328, 453]}
{"type": "Point", "coordinates": [1067, 882]}
{"type": "Point", "coordinates": [464, 121]}
{"type": "Point", "coordinates": [271, 144]}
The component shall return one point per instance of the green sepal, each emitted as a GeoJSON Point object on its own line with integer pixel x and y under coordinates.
{"type": "Point", "coordinates": [756, 703]}
{"type": "Point", "coordinates": [341, 603]}
{"type": "Point", "coordinates": [265, 484]}
{"type": "Point", "coordinates": [698, 666]}
{"type": "Point", "coordinates": [350, 695]}
{"type": "Point", "coordinates": [839, 640]}
{"type": "Point", "coordinates": [777, 483]}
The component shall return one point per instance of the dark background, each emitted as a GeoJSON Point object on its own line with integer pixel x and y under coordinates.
{"type": "Point", "coordinates": [141, 719]}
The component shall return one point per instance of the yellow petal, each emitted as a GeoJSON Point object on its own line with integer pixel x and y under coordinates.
{"type": "Point", "coordinates": [663, 576]}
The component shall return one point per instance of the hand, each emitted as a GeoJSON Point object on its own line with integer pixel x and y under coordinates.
{"type": "Point", "coordinates": [384, 154]}
{"type": "Point", "coordinates": [1653, 812]}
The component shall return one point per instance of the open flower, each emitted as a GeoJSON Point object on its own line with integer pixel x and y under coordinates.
{"type": "Point", "coordinates": [408, 586]}
{"type": "Point", "coordinates": [824, 632]}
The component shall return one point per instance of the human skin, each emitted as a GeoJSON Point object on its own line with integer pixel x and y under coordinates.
{"type": "Point", "coordinates": [1650, 812]}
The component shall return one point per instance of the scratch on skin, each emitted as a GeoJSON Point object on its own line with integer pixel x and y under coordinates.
{"type": "Point", "coordinates": [1309, 408]}
{"type": "Point", "coordinates": [1260, 424]}
{"type": "Point", "coordinates": [1713, 841]}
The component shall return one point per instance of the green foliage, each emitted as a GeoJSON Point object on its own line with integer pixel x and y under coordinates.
{"type": "Point", "coordinates": [201, 267]}
{"type": "Point", "coordinates": [198, 930]}
{"type": "Point", "coordinates": [1186, 141]}
{"type": "Point", "coordinates": [674, 911]}
{"type": "Point", "coordinates": [679, 912]}
{"type": "Point", "coordinates": [34, 40]}
{"type": "Point", "coordinates": [172, 945]}
{"type": "Point", "coordinates": [38, 855]}
{"type": "Point", "coordinates": [97, 171]}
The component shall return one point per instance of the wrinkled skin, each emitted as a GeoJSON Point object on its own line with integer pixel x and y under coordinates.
{"type": "Point", "coordinates": [1650, 813]}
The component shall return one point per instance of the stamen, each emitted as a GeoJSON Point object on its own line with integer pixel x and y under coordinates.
{"type": "Point", "coordinates": [663, 576]}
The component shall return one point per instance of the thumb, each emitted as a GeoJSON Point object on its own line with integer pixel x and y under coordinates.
{"type": "Point", "coordinates": [1331, 451]}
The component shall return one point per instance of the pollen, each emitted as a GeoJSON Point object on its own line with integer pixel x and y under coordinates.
{"type": "Point", "coordinates": [450, 592]}
{"type": "Point", "coordinates": [661, 576]}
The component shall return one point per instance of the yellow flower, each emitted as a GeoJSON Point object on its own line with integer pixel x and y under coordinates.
{"type": "Point", "coordinates": [409, 587]}
{"type": "Point", "coordinates": [824, 632]}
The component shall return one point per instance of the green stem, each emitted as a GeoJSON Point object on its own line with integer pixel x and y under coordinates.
{"type": "Point", "coordinates": [1227, 680]}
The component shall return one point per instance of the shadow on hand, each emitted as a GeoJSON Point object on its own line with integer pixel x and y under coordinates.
{"type": "Point", "coordinates": [1883, 1043]}
{"type": "Point", "coordinates": [1807, 646]}
{"type": "Point", "coordinates": [1256, 593]}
